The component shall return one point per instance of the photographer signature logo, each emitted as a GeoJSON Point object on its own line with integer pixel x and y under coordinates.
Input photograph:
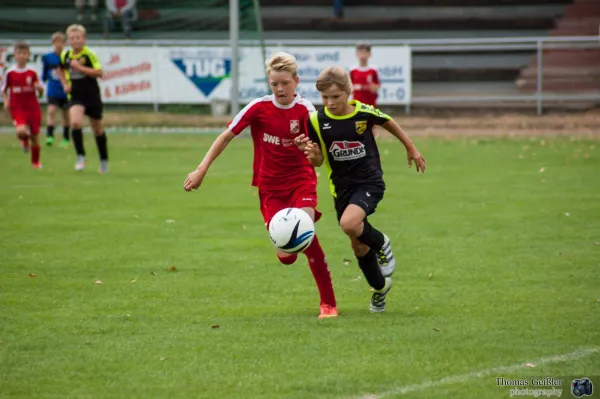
{"type": "Point", "coordinates": [582, 387]}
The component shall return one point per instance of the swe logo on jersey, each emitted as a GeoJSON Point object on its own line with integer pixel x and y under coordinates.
{"type": "Point", "coordinates": [205, 73]}
{"type": "Point", "coordinates": [271, 139]}
{"type": "Point", "coordinates": [347, 150]}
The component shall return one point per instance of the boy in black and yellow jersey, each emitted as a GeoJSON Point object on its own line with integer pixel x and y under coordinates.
{"type": "Point", "coordinates": [80, 70]}
{"type": "Point", "coordinates": [341, 136]}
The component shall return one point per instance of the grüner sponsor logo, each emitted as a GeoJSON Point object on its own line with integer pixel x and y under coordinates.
{"type": "Point", "coordinates": [347, 150]}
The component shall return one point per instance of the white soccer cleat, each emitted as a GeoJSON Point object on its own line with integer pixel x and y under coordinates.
{"type": "Point", "coordinates": [385, 258]}
{"type": "Point", "coordinates": [103, 167]}
{"type": "Point", "coordinates": [378, 298]}
{"type": "Point", "coordinates": [80, 164]}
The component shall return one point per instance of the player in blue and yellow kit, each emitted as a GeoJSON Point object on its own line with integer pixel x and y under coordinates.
{"type": "Point", "coordinates": [57, 98]}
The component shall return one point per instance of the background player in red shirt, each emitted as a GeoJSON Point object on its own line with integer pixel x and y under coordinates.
{"type": "Point", "coordinates": [282, 174]}
{"type": "Point", "coordinates": [365, 79]}
{"type": "Point", "coordinates": [20, 88]}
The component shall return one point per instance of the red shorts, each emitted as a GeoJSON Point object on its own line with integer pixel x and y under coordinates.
{"type": "Point", "coordinates": [31, 119]}
{"type": "Point", "coordinates": [272, 202]}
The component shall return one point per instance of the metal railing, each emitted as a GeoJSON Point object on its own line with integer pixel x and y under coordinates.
{"type": "Point", "coordinates": [537, 45]}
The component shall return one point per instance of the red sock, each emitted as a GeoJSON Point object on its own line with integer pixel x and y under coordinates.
{"type": "Point", "coordinates": [320, 271]}
{"type": "Point", "coordinates": [25, 142]}
{"type": "Point", "coordinates": [35, 153]}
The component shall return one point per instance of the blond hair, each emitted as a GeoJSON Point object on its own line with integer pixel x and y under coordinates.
{"type": "Point", "coordinates": [282, 62]}
{"type": "Point", "coordinates": [334, 76]}
{"type": "Point", "coordinates": [57, 35]}
{"type": "Point", "coordinates": [76, 28]}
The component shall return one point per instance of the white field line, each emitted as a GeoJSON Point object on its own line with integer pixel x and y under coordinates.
{"type": "Point", "coordinates": [498, 371]}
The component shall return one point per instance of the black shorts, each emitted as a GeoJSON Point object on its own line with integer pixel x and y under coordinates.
{"type": "Point", "coordinates": [93, 109]}
{"type": "Point", "coordinates": [59, 102]}
{"type": "Point", "coordinates": [367, 197]}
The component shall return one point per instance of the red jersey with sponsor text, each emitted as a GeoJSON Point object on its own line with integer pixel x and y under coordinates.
{"type": "Point", "coordinates": [19, 83]}
{"type": "Point", "coordinates": [278, 163]}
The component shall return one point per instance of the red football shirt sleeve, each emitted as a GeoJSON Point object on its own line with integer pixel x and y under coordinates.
{"type": "Point", "coordinates": [310, 108]}
{"type": "Point", "coordinates": [375, 76]}
{"type": "Point", "coordinates": [245, 117]}
{"type": "Point", "coordinates": [354, 79]}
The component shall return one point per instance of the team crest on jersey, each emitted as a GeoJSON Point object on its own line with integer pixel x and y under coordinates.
{"type": "Point", "coordinates": [82, 61]}
{"type": "Point", "coordinates": [361, 126]}
{"type": "Point", "coordinates": [294, 126]}
{"type": "Point", "coordinates": [28, 80]}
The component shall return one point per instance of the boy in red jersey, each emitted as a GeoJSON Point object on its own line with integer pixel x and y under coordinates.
{"type": "Point", "coordinates": [20, 88]}
{"type": "Point", "coordinates": [365, 79]}
{"type": "Point", "coordinates": [282, 174]}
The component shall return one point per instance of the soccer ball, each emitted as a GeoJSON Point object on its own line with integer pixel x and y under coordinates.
{"type": "Point", "coordinates": [291, 230]}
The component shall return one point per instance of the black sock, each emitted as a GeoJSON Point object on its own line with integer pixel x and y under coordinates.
{"type": "Point", "coordinates": [370, 268]}
{"type": "Point", "coordinates": [66, 132]}
{"type": "Point", "coordinates": [77, 135]}
{"type": "Point", "coordinates": [102, 147]}
{"type": "Point", "coordinates": [50, 131]}
{"type": "Point", "coordinates": [371, 237]}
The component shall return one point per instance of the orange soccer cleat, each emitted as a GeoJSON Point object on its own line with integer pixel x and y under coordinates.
{"type": "Point", "coordinates": [328, 311]}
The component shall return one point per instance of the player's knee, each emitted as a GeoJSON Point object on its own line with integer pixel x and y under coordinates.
{"type": "Point", "coordinates": [21, 132]}
{"type": "Point", "coordinates": [76, 125]}
{"type": "Point", "coordinates": [287, 259]}
{"type": "Point", "coordinates": [350, 227]}
{"type": "Point", "coordinates": [35, 139]}
{"type": "Point", "coordinates": [97, 128]}
{"type": "Point", "coordinates": [310, 211]}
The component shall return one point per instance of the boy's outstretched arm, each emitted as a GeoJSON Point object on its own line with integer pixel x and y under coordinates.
{"type": "Point", "coordinates": [412, 153]}
{"type": "Point", "coordinates": [194, 179]}
{"type": "Point", "coordinates": [6, 101]}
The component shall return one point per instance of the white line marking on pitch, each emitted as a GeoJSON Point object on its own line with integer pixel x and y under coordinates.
{"type": "Point", "coordinates": [462, 378]}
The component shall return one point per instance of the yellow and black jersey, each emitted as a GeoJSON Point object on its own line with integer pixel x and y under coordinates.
{"type": "Point", "coordinates": [348, 145]}
{"type": "Point", "coordinates": [82, 85]}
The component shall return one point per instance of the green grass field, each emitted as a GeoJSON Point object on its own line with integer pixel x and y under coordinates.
{"type": "Point", "coordinates": [499, 265]}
